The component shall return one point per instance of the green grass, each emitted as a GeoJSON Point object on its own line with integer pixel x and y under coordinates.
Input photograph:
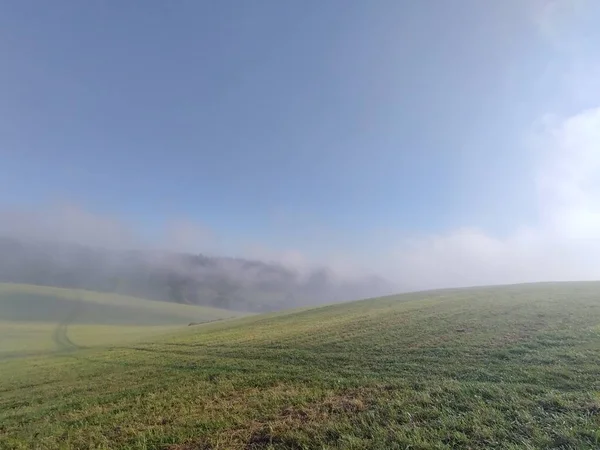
{"type": "Point", "coordinates": [37, 319]}
{"type": "Point", "coordinates": [508, 367]}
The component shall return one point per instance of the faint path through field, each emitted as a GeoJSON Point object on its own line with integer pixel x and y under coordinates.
{"type": "Point", "coordinates": [60, 335]}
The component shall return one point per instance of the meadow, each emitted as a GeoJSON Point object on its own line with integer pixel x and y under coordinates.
{"type": "Point", "coordinates": [40, 320]}
{"type": "Point", "coordinates": [514, 367]}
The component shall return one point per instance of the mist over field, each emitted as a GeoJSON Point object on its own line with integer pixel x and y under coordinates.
{"type": "Point", "coordinates": [230, 283]}
{"type": "Point", "coordinates": [68, 246]}
{"type": "Point", "coordinates": [187, 263]}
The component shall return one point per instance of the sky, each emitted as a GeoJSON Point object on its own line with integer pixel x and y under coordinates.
{"type": "Point", "coordinates": [434, 143]}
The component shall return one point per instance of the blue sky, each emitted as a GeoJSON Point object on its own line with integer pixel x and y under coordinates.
{"type": "Point", "coordinates": [332, 131]}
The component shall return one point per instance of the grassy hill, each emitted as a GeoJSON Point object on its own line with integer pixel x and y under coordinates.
{"type": "Point", "coordinates": [506, 367]}
{"type": "Point", "coordinates": [35, 319]}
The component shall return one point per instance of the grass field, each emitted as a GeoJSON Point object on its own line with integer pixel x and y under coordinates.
{"type": "Point", "coordinates": [509, 367]}
{"type": "Point", "coordinates": [36, 319]}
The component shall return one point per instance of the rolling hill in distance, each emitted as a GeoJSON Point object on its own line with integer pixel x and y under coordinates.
{"type": "Point", "coordinates": [511, 367]}
{"type": "Point", "coordinates": [40, 319]}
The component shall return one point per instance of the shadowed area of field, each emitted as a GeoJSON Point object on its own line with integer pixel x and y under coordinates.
{"type": "Point", "coordinates": [507, 367]}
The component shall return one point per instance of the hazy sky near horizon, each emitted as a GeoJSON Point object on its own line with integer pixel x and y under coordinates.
{"type": "Point", "coordinates": [435, 143]}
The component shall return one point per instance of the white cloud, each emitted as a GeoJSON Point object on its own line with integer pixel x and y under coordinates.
{"type": "Point", "coordinates": [568, 178]}
{"type": "Point", "coordinates": [563, 245]}
{"type": "Point", "coordinates": [564, 242]}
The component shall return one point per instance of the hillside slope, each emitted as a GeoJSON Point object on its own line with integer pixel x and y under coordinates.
{"type": "Point", "coordinates": [38, 318]}
{"type": "Point", "coordinates": [507, 367]}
